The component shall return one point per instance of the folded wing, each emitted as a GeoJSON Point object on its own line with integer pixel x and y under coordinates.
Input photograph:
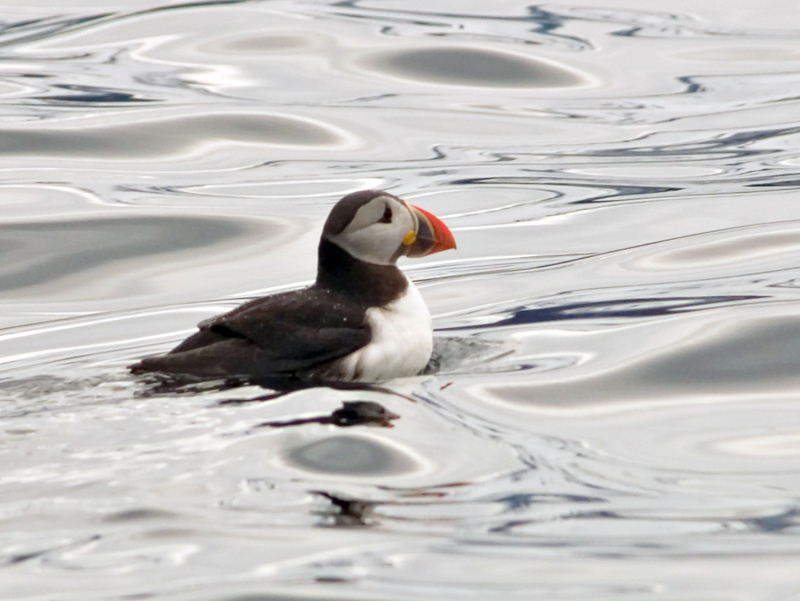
{"type": "Point", "coordinates": [278, 335]}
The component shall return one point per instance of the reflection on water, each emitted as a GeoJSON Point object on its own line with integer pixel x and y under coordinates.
{"type": "Point", "coordinates": [472, 67]}
{"type": "Point", "coordinates": [745, 355]}
{"type": "Point", "coordinates": [45, 251]}
{"type": "Point", "coordinates": [612, 408]}
{"type": "Point", "coordinates": [733, 248]}
{"type": "Point", "coordinates": [350, 455]}
{"type": "Point", "coordinates": [172, 136]}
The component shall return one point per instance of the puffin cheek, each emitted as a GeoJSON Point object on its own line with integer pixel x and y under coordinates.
{"type": "Point", "coordinates": [401, 251]}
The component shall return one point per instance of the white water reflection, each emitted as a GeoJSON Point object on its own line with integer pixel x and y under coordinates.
{"type": "Point", "coordinates": [469, 66]}
{"type": "Point", "coordinates": [177, 135]}
{"type": "Point", "coordinates": [613, 408]}
{"type": "Point", "coordinates": [728, 358]}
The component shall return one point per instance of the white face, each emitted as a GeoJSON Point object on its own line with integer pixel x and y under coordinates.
{"type": "Point", "coordinates": [377, 231]}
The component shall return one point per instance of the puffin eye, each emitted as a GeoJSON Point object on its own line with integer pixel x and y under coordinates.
{"type": "Point", "coordinates": [387, 215]}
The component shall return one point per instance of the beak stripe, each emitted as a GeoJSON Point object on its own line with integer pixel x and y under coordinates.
{"type": "Point", "coordinates": [432, 235]}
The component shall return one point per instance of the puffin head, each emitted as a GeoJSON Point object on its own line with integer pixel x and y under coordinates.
{"type": "Point", "coordinates": [378, 227]}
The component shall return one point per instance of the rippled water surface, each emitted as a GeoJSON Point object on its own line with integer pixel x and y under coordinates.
{"type": "Point", "coordinates": [615, 407]}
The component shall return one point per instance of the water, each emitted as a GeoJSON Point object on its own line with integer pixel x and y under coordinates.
{"type": "Point", "coordinates": [615, 412]}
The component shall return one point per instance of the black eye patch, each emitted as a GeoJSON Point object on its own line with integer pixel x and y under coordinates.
{"type": "Point", "coordinates": [387, 215]}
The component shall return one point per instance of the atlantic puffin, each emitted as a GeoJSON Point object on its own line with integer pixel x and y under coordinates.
{"type": "Point", "coordinates": [361, 321]}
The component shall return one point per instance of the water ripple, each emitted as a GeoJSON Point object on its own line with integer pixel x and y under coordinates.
{"type": "Point", "coordinates": [615, 368]}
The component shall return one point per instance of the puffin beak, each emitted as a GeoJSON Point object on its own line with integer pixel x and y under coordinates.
{"type": "Point", "coordinates": [432, 236]}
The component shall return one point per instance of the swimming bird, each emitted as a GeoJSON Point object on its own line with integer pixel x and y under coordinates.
{"type": "Point", "coordinates": [362, 320]}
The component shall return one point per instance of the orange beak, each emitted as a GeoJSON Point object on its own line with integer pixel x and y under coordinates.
{"type": "Point", "coordinates": [432, 235]}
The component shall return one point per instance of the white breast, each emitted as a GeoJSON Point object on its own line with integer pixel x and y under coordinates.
{"type": "Point", "coordinates": [401, 345]}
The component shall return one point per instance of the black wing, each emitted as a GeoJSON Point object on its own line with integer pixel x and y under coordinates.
{"type": "Point", "coordinates": [275, 335]}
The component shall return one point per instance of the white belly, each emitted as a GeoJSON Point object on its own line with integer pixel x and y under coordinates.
{"type": "Point", "coordinates": [401, 345]}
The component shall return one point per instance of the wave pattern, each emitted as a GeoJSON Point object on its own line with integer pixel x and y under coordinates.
{"type": "Point", "coordinates": [611, 410]}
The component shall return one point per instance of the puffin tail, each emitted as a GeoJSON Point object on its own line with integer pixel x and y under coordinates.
{"type": "Point", "coordinates": [230, 358]}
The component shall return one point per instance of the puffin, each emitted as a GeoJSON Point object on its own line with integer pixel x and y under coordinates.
{"type": "Point", "coordinates": [361, 321]}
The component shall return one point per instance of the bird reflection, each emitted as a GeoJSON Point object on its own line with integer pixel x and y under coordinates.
{"type": "Point", "coordinates": [351, 413]}
{"type": "Point", "coordinates": [347, 512]}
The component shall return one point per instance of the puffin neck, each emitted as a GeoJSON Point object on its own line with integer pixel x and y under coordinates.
{"type": "Point", "coordinates": [375, 285]}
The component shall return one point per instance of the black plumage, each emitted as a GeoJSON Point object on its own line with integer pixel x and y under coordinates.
{"type": "Point", "coordinates": [287, 334]}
